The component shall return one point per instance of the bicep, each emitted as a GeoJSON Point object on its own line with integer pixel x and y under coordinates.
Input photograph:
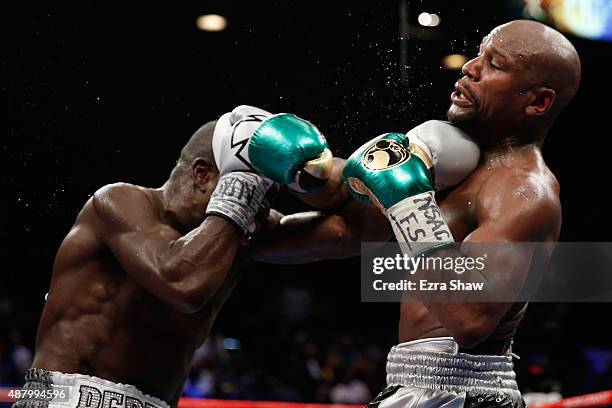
{"type": "Point", "coordinates": [182, 270]}
{"type": "Point", "coordinates": [510, 228]}
{"type": "Point", "coordinates": [129, 227]}
{"type": "Point", "coordinates": [518, 208]}
{"type": "Point", "coordinates": [508, 237]}
{"type": "Point", "coordinates": [140, 252]}
{"type": "Point", "coordinates": [508, 234]}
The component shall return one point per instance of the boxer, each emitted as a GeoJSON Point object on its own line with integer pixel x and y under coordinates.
{"type": "Point", "coordinates": [454, 354]}
{"type": "Point", "coordinates": [142, 274]}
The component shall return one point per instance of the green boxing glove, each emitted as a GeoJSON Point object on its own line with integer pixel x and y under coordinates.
{"type": "Point", "coordinates": [397, 176]}
{"type": "Point", "coordinates": [282, 147]}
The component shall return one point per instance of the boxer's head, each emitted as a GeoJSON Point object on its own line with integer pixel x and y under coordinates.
{"type": "Point", "coordinates": [194, 178]}
{"type": "Point", "coordinates": [523, 76]}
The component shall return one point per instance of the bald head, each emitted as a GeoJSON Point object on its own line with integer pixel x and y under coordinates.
{"type": "Point", "coordinates": [549, 58]}
{"type": "Point", "coordinates": [187, 191]}
{"type": "Point", "coordinates": [525, 73]}
{"type": "Point", "coordinates": [199, 146]}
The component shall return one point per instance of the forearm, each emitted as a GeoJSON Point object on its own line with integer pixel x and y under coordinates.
{"type": "Point", "coordinates": [312, 236]}
{"type": "Point", "coordinates": [194, 266]}
{"type": "Point", "coordinates": [303, 238]}
{"type": "Point", "coordinates": [183, 271]}
{"type": "Point", "coordinates": [470, 316]}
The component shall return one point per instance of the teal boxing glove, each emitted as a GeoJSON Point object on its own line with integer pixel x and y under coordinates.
{"type": "Point", "coordinates": [281, 147]}
{"type": "Point", "coordinates": [397, 177]}
{"type": "Point", "coordinates": [398, 173]}
{"type": "Point", "coordinates": [386, 170]}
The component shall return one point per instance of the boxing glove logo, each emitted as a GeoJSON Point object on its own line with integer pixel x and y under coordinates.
{"type": "Point", "coordinates": [384, 155]}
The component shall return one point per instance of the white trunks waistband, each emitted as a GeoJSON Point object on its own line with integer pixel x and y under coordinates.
{"type": "Point", "coordinates": [82, 391]}
{"type": "Point", "coordinates": [436, 364]}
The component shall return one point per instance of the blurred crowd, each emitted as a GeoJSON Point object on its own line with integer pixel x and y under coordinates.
{"type": "Point", "coordinates": [338, 371]}
{"type": "Point", "coordinates": [295, 360]}
{"type": "Point", "coordinates": [16, 348]}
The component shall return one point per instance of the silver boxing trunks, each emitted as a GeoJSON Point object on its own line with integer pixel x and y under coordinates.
{"type": "Point", "coordinates": [52, 389]}
{"type": "Point", "coordinates": [433, 373]}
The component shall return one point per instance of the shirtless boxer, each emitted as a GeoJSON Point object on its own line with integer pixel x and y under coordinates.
{"type": "Point", "coordinates": [142, 274]}
{"type": "Point", "coordinates": [456, 354]}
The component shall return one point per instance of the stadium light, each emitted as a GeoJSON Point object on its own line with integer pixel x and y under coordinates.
{"type": "Point", "coordinates": [211, 22]}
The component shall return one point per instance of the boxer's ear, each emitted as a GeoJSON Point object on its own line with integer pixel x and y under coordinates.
{"type": "Point", "coordinates": [200, 172]}
{"type": "Point", "coordinates": [542, 102]}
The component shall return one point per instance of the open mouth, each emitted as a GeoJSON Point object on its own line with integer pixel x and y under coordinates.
{"type": "Point", "coordinates": [461, 97]}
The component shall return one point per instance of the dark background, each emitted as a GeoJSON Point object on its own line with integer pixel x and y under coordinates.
{"type": "Point", "coordinates": [99, 92]}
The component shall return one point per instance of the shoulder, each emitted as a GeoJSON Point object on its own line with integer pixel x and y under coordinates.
{"type": "Point", "coordinates": [123, 203]}
{"type": "Point", "coordinates": [113, 196]}
{"type": "Point", "coordinates": [524, 199]}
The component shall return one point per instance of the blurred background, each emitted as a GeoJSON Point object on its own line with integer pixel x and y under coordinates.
{"type": "Point", "coordinates": [99, 92]}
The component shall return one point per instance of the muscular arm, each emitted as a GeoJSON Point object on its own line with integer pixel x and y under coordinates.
{"type": "Point", "coordinates": [307, 237]}
{"type": "Point", "coordinates": [503, 216]}
{"type": "Point", "coordinates": [185, 271]}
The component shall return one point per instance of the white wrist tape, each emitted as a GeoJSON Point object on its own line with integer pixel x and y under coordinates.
{"type": "Point", "coordinates": [238, 197]}
{"type": "Point", "coordinates": [418, 224]}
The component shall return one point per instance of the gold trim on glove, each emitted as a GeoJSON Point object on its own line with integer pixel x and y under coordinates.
{"type": "Point", "coordinates": [421, 154]}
